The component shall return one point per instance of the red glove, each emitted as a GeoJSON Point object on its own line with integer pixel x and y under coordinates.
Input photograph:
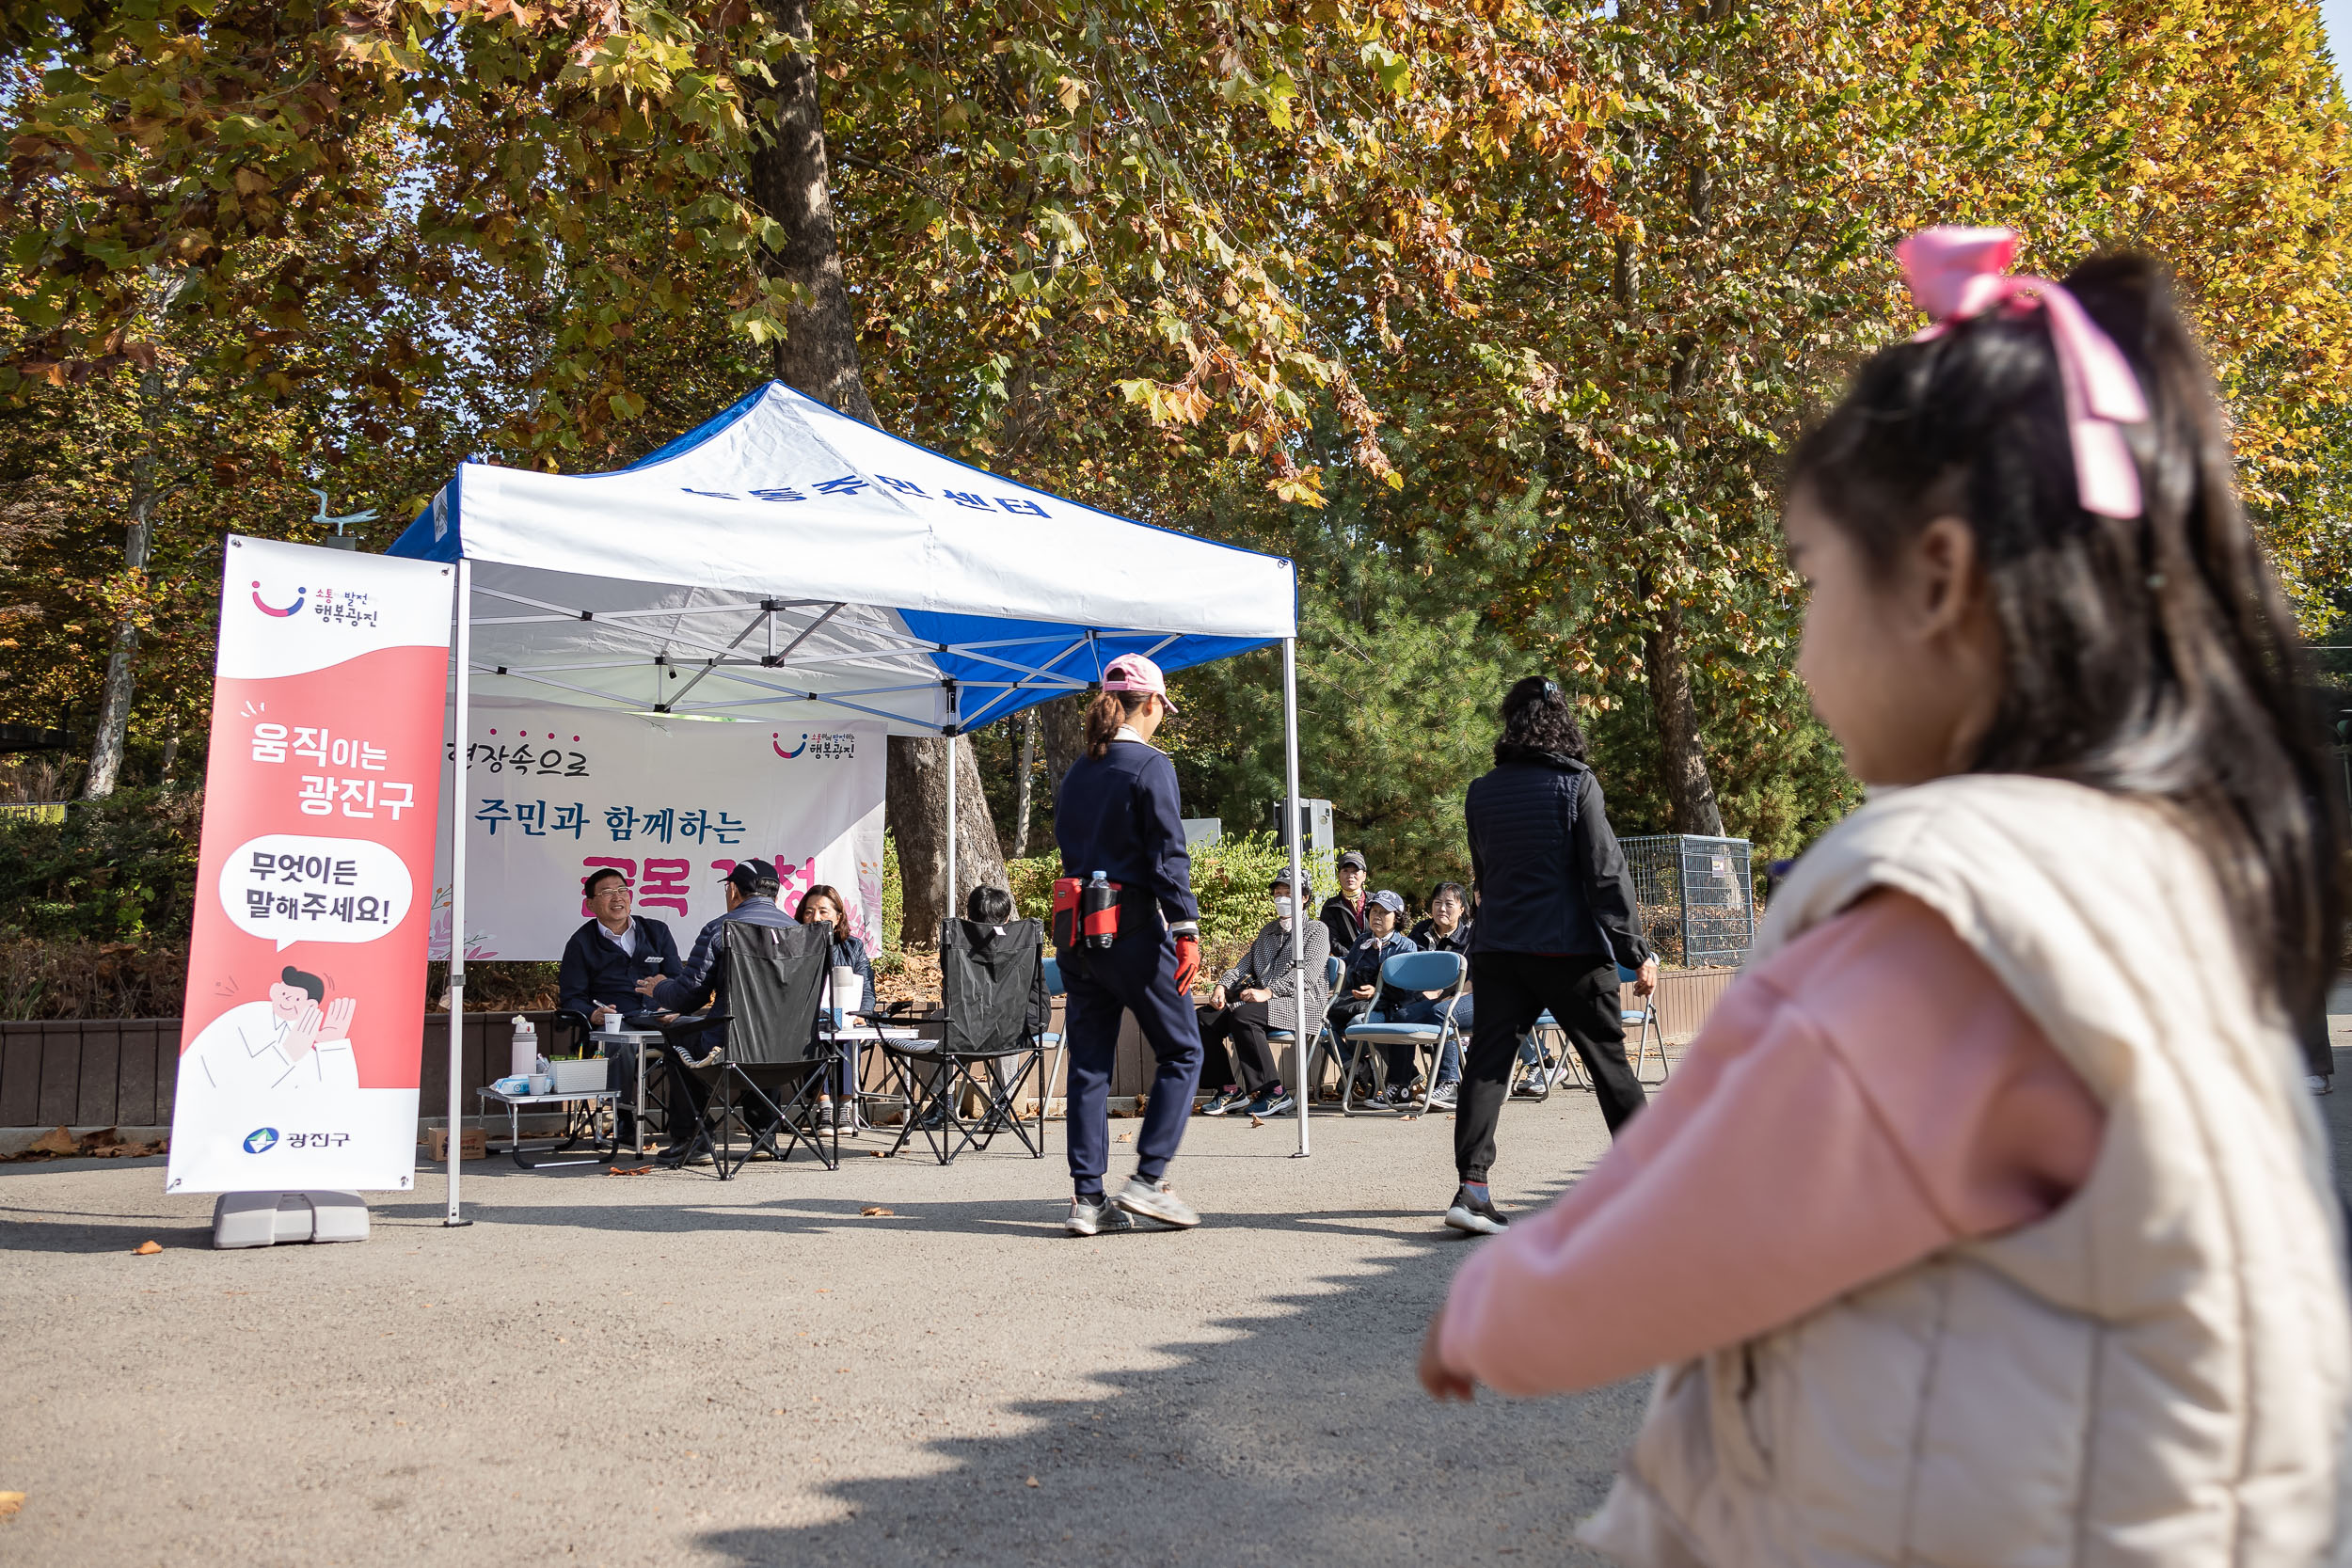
{"type": "Point", "coordinates": [1187, 962]}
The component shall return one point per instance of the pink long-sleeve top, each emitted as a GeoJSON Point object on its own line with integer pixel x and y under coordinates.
{"type": "Point", "coordinates": [1867, 1097]}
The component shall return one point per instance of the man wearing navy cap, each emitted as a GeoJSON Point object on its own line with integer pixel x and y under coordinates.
{"type": "Point", "coordinates": [751, 889]}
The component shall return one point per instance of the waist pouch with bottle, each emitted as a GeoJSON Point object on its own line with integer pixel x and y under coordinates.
{"type": "Point", "coordinates": [1086, 914]}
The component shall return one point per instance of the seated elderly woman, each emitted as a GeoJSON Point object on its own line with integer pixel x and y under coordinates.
{"type": "Point", "coordinates": [1445, 929]}
{"type": "Point", "coordinates": [1362, 992]}
{"type": "Point", "coordinates": [823, 906]}
{"type": "Point", "coordinates": [1259, 996]}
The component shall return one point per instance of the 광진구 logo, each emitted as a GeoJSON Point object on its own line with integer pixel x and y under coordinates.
{"type": "Point", "coordinates": [268, 609]}
{"type": "Point", "coordinates": [261, 1140]}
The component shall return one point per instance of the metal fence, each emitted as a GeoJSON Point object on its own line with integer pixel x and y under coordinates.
{"type": "Point", "coordinates": [1697, 899]}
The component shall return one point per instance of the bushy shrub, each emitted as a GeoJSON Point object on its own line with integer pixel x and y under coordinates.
{"type": "Point", "coordinates": [117, 870]}
{"type": "Point", "coordinates": [79, 978]}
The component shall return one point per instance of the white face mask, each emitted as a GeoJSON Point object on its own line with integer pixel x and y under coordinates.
{"type": "Point", "coordinates": [1282, 912]}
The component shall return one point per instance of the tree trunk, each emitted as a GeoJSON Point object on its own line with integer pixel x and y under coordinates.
{"type": "Point", "coordinates": [1024, 771]}
{"type": "Point", "coordinates": [917, 814]}
{"type": "Point", "coordinates": [1681, 757]}
{"type": "Point", "coordinates": [792, 185]}
{"type": "Point", "coordinates": [114, 710]}
{"type": "Point", "coordinates": [1064, 722]}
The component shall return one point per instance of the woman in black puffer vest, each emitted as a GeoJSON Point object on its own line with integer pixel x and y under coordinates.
{"type": "Point", "coordinates": [1556, 917]}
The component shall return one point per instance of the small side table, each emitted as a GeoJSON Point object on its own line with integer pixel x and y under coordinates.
{"type": "Point", "coordinates": [643, 1039]}
{"type": "Point", "coordinates": [582, 1123]}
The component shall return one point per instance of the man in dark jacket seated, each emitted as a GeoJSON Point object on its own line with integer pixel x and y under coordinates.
{"type": "Point", "coordinates": [751, 889]}
{"type": "Point", "coordinates": [602, 964]}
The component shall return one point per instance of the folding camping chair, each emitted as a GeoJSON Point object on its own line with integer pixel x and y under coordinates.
{"type": "Point", "coordinates": [1412, 972]}
{"type": "Point", "coordinates": [775, 1064]}
{"type": "Point", "coordinates": [1642, 1017]}
{"type": "Point", "coordinates": [987, 976]}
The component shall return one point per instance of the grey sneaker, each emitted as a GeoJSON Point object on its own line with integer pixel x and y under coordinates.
{"type": "Point", "coordinates": [1445, 1097]}
{"type": "Point", "coordinates": [1154, 1201]}
{"type": "Point", "coordinates": [1092, 1219]}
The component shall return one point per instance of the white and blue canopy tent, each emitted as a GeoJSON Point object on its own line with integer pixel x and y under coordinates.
{"type": "Point", "coordinates": [785, 561]}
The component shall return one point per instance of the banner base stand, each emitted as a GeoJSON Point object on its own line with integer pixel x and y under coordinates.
{"type": "Point", "coordinates": [265, 1219]}
{"type": "Point", "coordinates": [456, 1225]}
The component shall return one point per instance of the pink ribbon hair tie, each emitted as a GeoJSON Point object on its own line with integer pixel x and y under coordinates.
{"type": "Point", "coordinates": [1955, 273]}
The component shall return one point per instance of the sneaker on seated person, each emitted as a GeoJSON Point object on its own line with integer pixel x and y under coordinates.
{"type": "Point", "coordinates": [1222, 1102]}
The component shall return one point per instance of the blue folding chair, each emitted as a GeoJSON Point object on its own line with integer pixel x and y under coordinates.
{"type": "Point", "coordinates": [1324, 1044]}
{"type": "Point", "coordinates": [1411, 972]}
{"type": "Point", "coordinates": [1640, 1018]}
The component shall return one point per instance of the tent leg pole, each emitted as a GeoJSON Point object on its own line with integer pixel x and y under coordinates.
{"type": "Point", "coordinates": [457, 891]}
{"type": "Point", "coordinates": [951, 824]}
{"type": "Point", "coordinates": [1302, 1039]}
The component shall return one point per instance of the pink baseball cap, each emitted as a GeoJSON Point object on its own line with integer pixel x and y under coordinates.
{"type": "Point", "coordinates": [1134, 672]}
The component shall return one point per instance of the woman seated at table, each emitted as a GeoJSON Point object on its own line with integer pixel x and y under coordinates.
{"type": "Point", "coordinates": [823, 906]}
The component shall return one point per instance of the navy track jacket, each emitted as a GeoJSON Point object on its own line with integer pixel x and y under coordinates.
{"type": "Point", "coordinates": [1551, 876]}
{"type": "Point", "coordinates": [1122, 816]}
{"type": "Point", "coordinates": [593, 970]}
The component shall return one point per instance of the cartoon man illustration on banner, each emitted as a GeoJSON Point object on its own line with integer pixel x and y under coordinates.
{"type": "Point", "coordinates": [283, 1043]}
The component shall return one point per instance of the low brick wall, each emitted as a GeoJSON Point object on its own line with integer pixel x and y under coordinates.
{"type": "Point", "coordinates": [120, 1072]}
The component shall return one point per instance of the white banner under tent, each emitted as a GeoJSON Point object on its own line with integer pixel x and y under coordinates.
{"type": "Point", "coordinates": [785, 565]}
{"type": "Point", "coordinates": [560, 792]}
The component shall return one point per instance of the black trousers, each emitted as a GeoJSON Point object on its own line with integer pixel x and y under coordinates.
{"type": "Point", "coordinates": [1396, 1058]}
{"type": "Point", "coordinates": [1236, 1037]}
{"type": "Point", "coordinates": [1512, 990]}
{"type": "Point", "coordinates": [684, 1098]}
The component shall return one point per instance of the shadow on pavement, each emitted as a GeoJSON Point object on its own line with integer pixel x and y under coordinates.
{"type": "Point", "coordinates": [1301, 1439]}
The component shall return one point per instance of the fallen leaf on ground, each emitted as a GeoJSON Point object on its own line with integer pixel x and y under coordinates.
{"type": "Point", "coordinates": [639, 1170]}
{"type": "Point", "coordinates": [1032, 1480]}
{"type": "Point", "coordinates": [55, 1141]}
{"type": "Point", "coordinates": [147, 1249]}
{"type": "Point", "coordinates": [873, 1210]}
{"type": "Point", "coordinates": [880, 1153]}
{"type": "Point", "coordinates": [1126, 1137]}
{"type": "Point", "coordinates": [9, 1503]}
{"type": "Point", "coordinates": [1257, 1121]}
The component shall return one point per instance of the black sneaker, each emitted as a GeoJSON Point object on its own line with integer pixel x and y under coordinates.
{"type": "Point", "coordinates": [1221, 1102]}
{"type": "Point", "coordinates": [1476, 1217]}
{"type": "Point", "coordinates": [1279, 1103]}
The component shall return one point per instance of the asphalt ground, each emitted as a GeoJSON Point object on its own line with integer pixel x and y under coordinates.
{"type": "Point", "coordinates": [669, 1369]}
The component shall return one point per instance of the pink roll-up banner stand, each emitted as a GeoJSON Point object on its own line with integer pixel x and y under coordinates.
{"type": "Point", "coordinates": [304, 1011]}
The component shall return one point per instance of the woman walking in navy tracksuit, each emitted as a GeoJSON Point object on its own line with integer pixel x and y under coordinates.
{"type": "Point", "coordinates": [1117, 813]}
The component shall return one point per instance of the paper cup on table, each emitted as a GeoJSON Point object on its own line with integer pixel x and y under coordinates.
{"type": "Point", "coordinates": [849, 991]}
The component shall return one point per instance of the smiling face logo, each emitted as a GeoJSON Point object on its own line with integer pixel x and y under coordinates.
{"type": "Point", "coordinates": [293, 609]}
{"type": "Point", "coordinates": [776, 738]}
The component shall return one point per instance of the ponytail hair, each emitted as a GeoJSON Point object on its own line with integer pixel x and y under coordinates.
{"type": "Point", "coordinates": [1110, 710]}
{"type": "Point", "coordinates": [2151, 656]}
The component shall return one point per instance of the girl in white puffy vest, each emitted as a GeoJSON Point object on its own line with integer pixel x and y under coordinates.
{"type": "Point", "coordinates": [1989, 1221]}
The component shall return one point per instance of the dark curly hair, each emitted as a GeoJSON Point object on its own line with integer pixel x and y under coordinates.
{"type": "Point", "coordinates": [1538, 717]}
{"type": "Point", "coordinates": [2149, 657]}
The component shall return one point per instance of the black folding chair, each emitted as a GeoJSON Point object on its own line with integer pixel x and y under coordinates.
{"type": "Point", "coordinates": [775, 1064]}
{"type": "Point", "coordinates": [988, 975]}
